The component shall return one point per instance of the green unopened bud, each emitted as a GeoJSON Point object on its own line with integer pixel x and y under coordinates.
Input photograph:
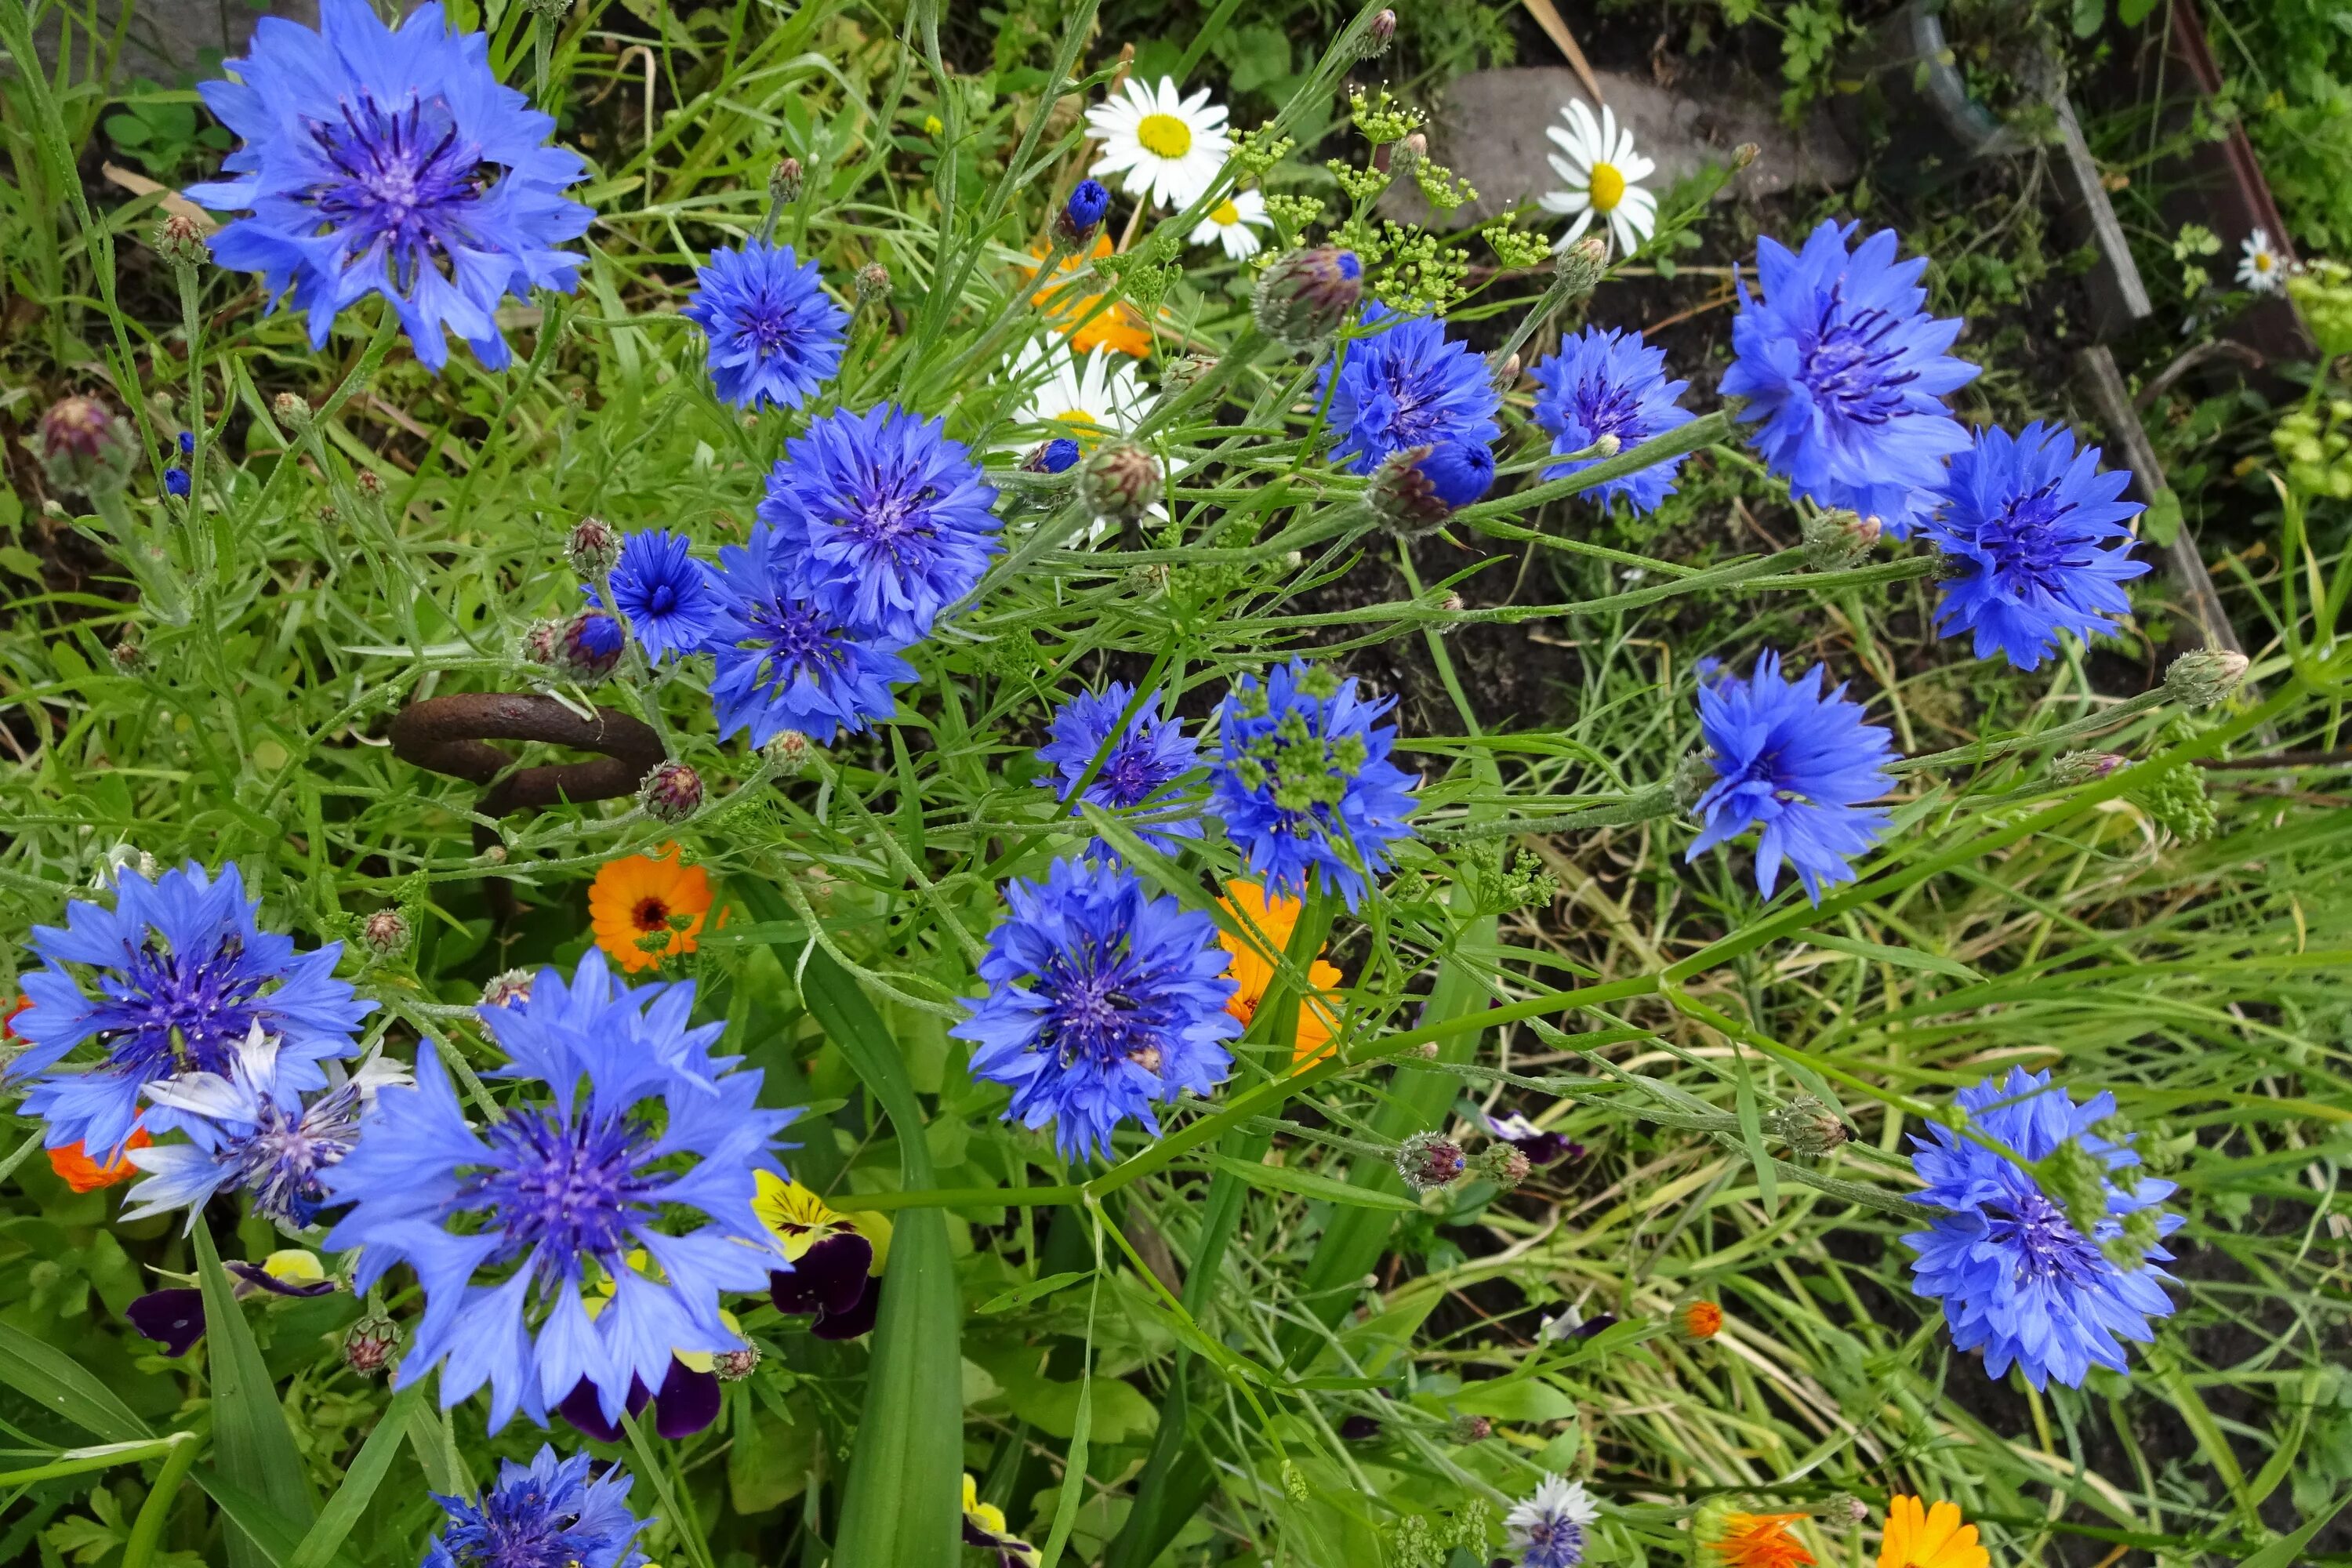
{"type": "Point", "coordinates": [1501, 1163]}
{"type": "Point", "coordinates": [293, 410]}
{"type": "Point", "coordinates": [369, 1343]}
{"type": "Point", "coordinates": [1120, 480]}
{"type": "Point", "coordinates": [734, 1366]}
{"type": "Point", "coordinates": [127, 656]}
{"type": "Point", "coordinates": [1838, 539]}
{"type": "Point", "coordinates": [1304, 295]}
{"type": "Point", "coordinates": [784, 182]}
{"type": "Point", "coordinates": [1808, 1126]}
{"type": "Point", "coordinates": [2201, 679]}
{"type": "Point", "coordinates": [1580, 267]}
{"type": "Point", "coordinates": [671, 792]}
{"type": "Point", "coordinates": [1428, 1161]}
{"type": "Point", "coordinates": [873, 283]}
{"type": "Point", "coordinates": [1693, 777]}
{"type": "Point", "coordinates": [1743, 155]}
{"type": "Point", "coordinates": [180, 240]}
{"type": "Point", "coordinates": [1379, 36]}
{"type": "Point", "coordinates": [508, 987]}
{"type": "Point", "coordinates": [1181, 372]}
{"type": "Point", "coordinates": [2076, 1180]}
{"type": "Point", "coordinates": [84, 447]}
{"type": "Point", "coordinates": [791, 752]}
{"type": "Point", "coordinates": [384, 932]}
{"type": "Point", "coordinates": [2082, 767]}
{"type": "Point", "coordinates": [2141, 1232]}
{"type": "Point", "coordinates": [594, 549]}
{"type": "Point", "coordinates": [1468, 1429]}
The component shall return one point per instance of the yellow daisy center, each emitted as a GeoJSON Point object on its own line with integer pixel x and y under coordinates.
{"type": "Point", "coordinates": [1225, 214]}
{"type": "Point", "coordinates": [1608, 187]}
{"type": "Point", "coordinates": [2261, 261]}
{"type": "Point", "coordinates": [1164, 136]}
{"type": "Point", "coordinates": [1080, 419]}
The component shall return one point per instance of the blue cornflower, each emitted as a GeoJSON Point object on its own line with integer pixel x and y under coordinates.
{"type": "Point", "coordinates": [1796, 764]}
{"type": "Point", "coordinates": [1102, 1001]}
{"type": "Point", "coordinates": [1076, 223]}
{"type": "Point", "coordinates": [1151, 753]}
{"type": "Point", "coordinates": [1304, 780]}
{"type": "Point", "coordinates": [2031, 513]}
{"type": "Point", "coordinates": [1611, 384]}
{"type": "Point", "coordinates": [183, 973]}
{"type": "Point", "coordinates": [545, 1514]}
{"type": "Point", "coordinates": [784, 662]}
{"type": "Point", "coordinates": [635, 1138]}
{"type": "Point", "coordinates": [249, 1134]}
{"type": "Point", "coordinates": [2017, 1280]}
{"type": "Point", "coordinates": [1054, 456]}
{"type": "Point", "coordinates": [187, 443]}
{"type": "Point", "coordinates": [1846, 373]}
{"type": "Point", "coordinates": [1552, 1526]}
{"type": "Point", "coordinates": [775, 334]}
{"type": "Point", "coordinates": [1405, 386]}
{"type": "Point", "coordinates": [888, 518]}
{"type": "Point", "coordinates": [1459, 472]}
{"type": "Point", "coordinates": [667, 594]}
{"type": "Point", "coordinates": [177, 482]}
{"type": "Point", "coordinates": [392, 162]}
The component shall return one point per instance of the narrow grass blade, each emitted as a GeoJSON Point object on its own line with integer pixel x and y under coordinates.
{"type": "Point", "coordinates": [251, 1442]}
{"type": "Point", "coordinates": [343, 1511]}
{"type": "Point", "coordinates": [56, 1381]}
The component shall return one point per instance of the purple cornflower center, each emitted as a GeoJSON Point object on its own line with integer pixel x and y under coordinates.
{"type": "Point", "coordinates": [1606, 410]}
{"type": "Point", "coordinates": [771, 324]}
{"type": "Point", "coordinates": [801, 638]}
{"type": "Point", "coordinates": [1129, 775]}
{"type": "Point", "coordinates": [1416, 420]}
{"type": "Point", "coordinates": [1554, 1544]}
{"type": "Point", "coordinates": [2028, 547]}
{"type": "Point", "coordinates": [1092, 1013]}
{"type": "Point", "coordinates": [661, 598]}
{"type": "Point", "coordinates": [2037, 1234]}
{"type": "Point", "coordinates": [889, 521]}
{"type": "Point", "coordinates": [565, 1190]}
{"type": "Point", "coordinates": [1851, 366]}
{"type": "Point", "coordinates": [401, 185]}
{"type": "Point", "coordinates": [279, 1164]}
{"type": "Point", "coordinates": [169, 1014]}
{"type": "Point", "coordinates": [517, 1531]}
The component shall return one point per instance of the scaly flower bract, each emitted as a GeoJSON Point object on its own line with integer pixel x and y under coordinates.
{"type": "Point", "coordinates": [1102, 1001]}
{"type": "Point", "coordinates": [1601, 177]}
{"type": "Point", "coordinates": [1844, 373]}
{"type": "Point", "coordinates": [545, 1514]}
{"type": "Point", "coordinates": [1607, 383]}
{"type": "Point", "coordinates": [1151, 753]}
{"type": "Point", "coordinates": [1168, 146]}
{"type": "Point", "coordinates": [888, 520]}
{"type": "Point", "coordinates": [2017, 1280]}
{"type": "Point", "coordinates": [1404, 384]}
{"type": "Point", "coordinates": [635, 1138]}
{"type": "Point", "coordinates": [1549, 1529]}
{"type": "Point", "coordinates": [183, 972]}
{"type": "Point", "coordinates": [1921, 1537]}
{"type": "Point", "coordinates": [391, 162]}
{"type": "Point", "coordinates": [786, 662]}
{"type": "Point", "coordinates": [248, 1134]}
{"type": "Point", "coordinates": [665, 594]}
{"type": "Point", "coordinates": [2044, 529]}
{"type": "Point", "coordinates": [775, 335]}
{"type": "Point", "coordinates": [1303, 780]}
{"type": "Point", "coordinates": [1796, 764]}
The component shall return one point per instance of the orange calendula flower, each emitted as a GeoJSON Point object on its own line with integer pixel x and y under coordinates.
{"type": "Point", "coordinates": [1696, 1321]}
{"type": "Point", "coordinates": [1251, 969]}
{"type": "Point", "coordinates": [1760, 1540]}
{"type": "Point", "coordinates": [1922, 1537]}
{"type": "Point", "coordinates": [84, 1174]}
{"type": "Point", "coordinates": [1119, 328]}
{"type": "Point", "coordinates": [637, 897]}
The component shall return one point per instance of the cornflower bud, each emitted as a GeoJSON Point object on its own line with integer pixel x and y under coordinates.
{"type": "Point", "coordinates": [1743, 155]}
{"type": "Point", "coordinates": [873, 283]}
{"type": "Point", "coordinates": [1808, 1126]}
{"type": "Point", "coordinates": [293, 410]}
{"type": "Point", "coordinates": [1179, 374]}
{"type": "Point", "coordinates": [1075, 224]}
{"type": "Point", "coordinates": [734, 1366]}
{"type": "Point", "coordinates": [1416, 489]}
{"type": "Point", "coordinates": [593, 548]}
{"type": "Point", "coordinates": [180, 240]}
{"type": "Point", "coordinates": [83, 447]}
{"type": "Point", "coordinates": [1579, 269]}
{"type": "Point", "coordinates": [539, 642]}
{"type": "Point", "coordinates": [127, 656]}
{"type": "Point", "coordinates": [588, 647]}
{"type": "Point", "coordinates": [371, 484]}
{"type": "Point", "coordinates": [1304, 295]}
{"type": "Point", "coordinates": [1468, 1429]}
{"type": "Point", "coordinates": [384, 932]}
{"type": "Point", "coordinates": [1428, 1161]}
{"type": "Point", "coordinates": [784, 182]}
{"type": "Point", "coordinates": [2201, 679]}
{"type": "Point", "coordinates": [2084, 767]}
{"type": "Point", "coordinates": [671, 792]}
{"type": "Point", "coordinates": [1693, 775]}
{"type": "Point", "coordinates": [367, 1344]}
{"type": "Point", "coordinates": [506, 987]}
{"type": "Point", "coordinates": [1501, 1165]}
{"type": "Point", "coordinates": [1406, 155]}
{"type": "Point", "coordinates": [1379, 36]}
{"type": "Point", "coordinates": [1505, 375]}
{"type": "Point", "coordinates": [791, 752]}
{"type": "Point", "coordinates": [1842, 1511]}
{"type": "Point", "coordinates": [1120, 480]}
{"type": "Point", "coordinates": [1839, 539]}
{"type": "Point", "coordinates": [1054, 456]}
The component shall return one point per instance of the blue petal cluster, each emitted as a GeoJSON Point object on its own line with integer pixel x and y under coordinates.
{"type": "Point", "coordinates": [1303, 780]}
{"type": "Point", "coordinates": [1796, 764]}
{"type": "Point", "coordinates": [1151, 751]}
{"type": "Point", "coordinates": [392, 162]}
{"type": "Point", "coordinates": [2042, 531]}
{"type": "Point", "coordinates": [888, 520]}
{"type": "Point", "coordinates": [183, 973]}
{"type": "Point", "coordinates": [1458, 472]}
{"type": "Point", "coordinates": [1403, 385]}
{"type": "Point", "coordinates": [1102, 1002]}
{"type": "Point", "coordinates": [1611, 384]}
{"type": "Point", "coordinates": [667, 594]}
{"type": "Point", "coordinates": [775, 334]}
{"type": "Point", "coordinates": [545, 1514]}
{"type": "Point", "coordinates": [2017, 1281]}
{"type": "Point", "coordinates": [633, 1138]}
{"type": "Point", "coordinates": [1844, 373]}
{"type": "Point", "coordinates": [786, 662]}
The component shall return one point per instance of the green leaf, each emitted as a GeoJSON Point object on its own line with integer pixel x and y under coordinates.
{"type": "Point", "coordinates": [2132, 13]}
{"type": "Point", "coordinates": [1901, 957]}
{"type": "Point", "coordinates": [21, 561]}
{"type": "Point", "coordinates": [253, 1444]}
{"type": "Point", "coordinates": [2161, 524]}
{"type": "Point", "coordinates": [56, 1382]}
{"type": "Point", "coordinates": [1021, 1295]}
{"type": "Point", "coordinates": [2088, 16]}
{"type": "Point", "coordinates": [367, 1471]}
{"type": "Point", "coordinates": [2286, 1552]}
{"type": "Point", "coordinates": [1307, 1185]}
{"type": "Point", "coordinates": [902, 1504]}
{"type": "Point", "coordinates": [269, 1533]}
{"type": "Point", "coordinates": [1514, 1399]}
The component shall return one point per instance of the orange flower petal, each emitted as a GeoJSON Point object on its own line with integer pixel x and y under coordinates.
{"type": "Point", "coordinates": [84, 1174]}
{"type": "Point", "coordinates": [636, 896]}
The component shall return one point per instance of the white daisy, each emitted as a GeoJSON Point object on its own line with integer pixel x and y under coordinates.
{"type": "Point", "coordinates": [1083, 396]}
{"type": "Point", "coordinates": [1232, 221]}
{"type": "Point", "coordinates": [1170, 147]}
{"type": "Point", "coordinates": [1603, 175]}
{"type": "Point", "coordinates": [2259, 268]}
{"type": "Point", "coordinates": [1547, 1531]}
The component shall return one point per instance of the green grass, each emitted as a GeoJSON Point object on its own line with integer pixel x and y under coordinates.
{"type": "Point", "coordinates": [1651, 1008]}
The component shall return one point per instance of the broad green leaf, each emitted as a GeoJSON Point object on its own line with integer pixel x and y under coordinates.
{"type": "Point", "coordinates": [252, 1445]}
{"type": "Point", "coordinates": [367, 1471]}
{"type": "Point", "coordinates": [1514, 1399]}
{"type": "Point", "coordinates": [266, 1532]}
{"type": "Point", "coordinates": [1307, 1185]}
{"type": "Point", "coordinates": [56, 1381]}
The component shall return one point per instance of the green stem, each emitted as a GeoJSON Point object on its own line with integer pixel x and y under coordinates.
{"type": "Point", "coordinates": [82, 1461]}
{"type": "Point", "coordinates": [147, 1528]}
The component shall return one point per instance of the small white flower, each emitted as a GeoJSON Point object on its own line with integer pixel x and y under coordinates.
{"type": "Point", "coordinates": [1547, 1531]}
{"type": "Point", "coordinates": [1604, 177]}
{"type": "Point", "coordinates": [1233, 222]}
{"type": "Point", "coordinates": [1170, 146]}
{"type": "Point", "coordinates": [2259, 268]}
{"type": "Point", "coordinates": [1091, 394]}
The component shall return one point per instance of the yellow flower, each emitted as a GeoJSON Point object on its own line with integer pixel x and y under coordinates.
{"type": "Point", "coordinates": [1761, 1541]}
{"type": "Point", "coordinates": [984, 1525]}
{"type": "Point", "coordinates": [1921, 1537]}
{"type": "Point", "coordinates": [638, 897]}
{"type": "Point", "coordinates": [1120, 327]}
{"type": "Point", "coordinates": [1251, 969]}
{"type": "Point", "coordinates": [798, 1219]}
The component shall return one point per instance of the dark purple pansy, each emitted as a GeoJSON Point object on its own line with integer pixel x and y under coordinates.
{"type": "Point", "coordinates": [833, 1281]}
{"type": "Point", "coordinates": [687, 1404]}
